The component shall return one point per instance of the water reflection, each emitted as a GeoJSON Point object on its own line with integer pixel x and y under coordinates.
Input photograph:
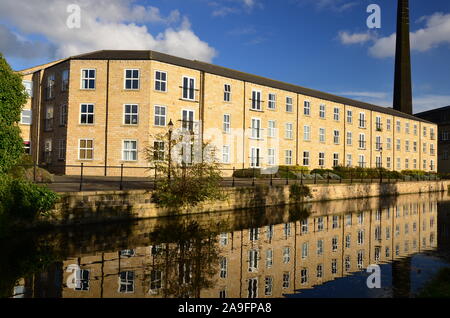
{"type": "Point", "coordinates": [270, 252]}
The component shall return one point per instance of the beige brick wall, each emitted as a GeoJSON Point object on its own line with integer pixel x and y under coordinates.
{"type": "Point", "coordinates": [212, 116]}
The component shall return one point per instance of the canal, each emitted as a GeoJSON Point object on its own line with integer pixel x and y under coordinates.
{"type": "Point", "coordinates": [313, 250]}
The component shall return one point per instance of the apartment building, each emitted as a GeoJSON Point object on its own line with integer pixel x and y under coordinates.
{"type": "Point", "coordinates": [105, 108]}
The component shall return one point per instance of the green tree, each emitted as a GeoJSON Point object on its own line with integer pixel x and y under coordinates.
{"type": "Point", "coordinates": [12, 99]}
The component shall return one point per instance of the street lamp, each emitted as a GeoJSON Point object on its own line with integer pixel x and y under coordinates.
{"type": "Point", "coordinates": [170, 145]}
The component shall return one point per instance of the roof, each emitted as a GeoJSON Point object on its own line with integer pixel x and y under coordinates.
{"type": "Point", "coordinates": [230, 73]}
{"type": "Point", "coordinates": [432, 111]}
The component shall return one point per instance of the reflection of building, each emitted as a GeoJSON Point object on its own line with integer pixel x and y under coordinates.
{"type": "Point", "coordinates": [441, 117]}
{"type": "Point", "coordinates": [268, 261]}
{"type": "Point", "coordinates": [99, 108]}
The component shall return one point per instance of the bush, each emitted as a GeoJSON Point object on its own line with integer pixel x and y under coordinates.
{"type": "Point", "coordinates": [247, 173]}
{"type": "Point", "coordinates": [298, 192]}
{"type": "Point", "coordinates": [21, 200]}
{"type": "Point", "coordinates": [24, 170]}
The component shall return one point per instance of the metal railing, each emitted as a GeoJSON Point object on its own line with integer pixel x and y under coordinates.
{"type": "Point", "coordinates": [98, 178]}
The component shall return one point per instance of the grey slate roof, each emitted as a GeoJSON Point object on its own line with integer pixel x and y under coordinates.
{"type": "Point", "coordinates": [226, 72]}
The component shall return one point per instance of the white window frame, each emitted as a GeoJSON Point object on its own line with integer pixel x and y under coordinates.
{"type": "Point", "coordinates": [86, 149]}
{"type": "Point", "coordinates": [160, 81]}
{"type": "Point", "coordinates": [271, 156]}
{"type": "Point", "coordinates": [227, 93]}
{"type": "Point", "coordinates": [288, 157]}
{"type": "Point", "coordinates": [226, 154]}
{"type": "Point", "coordinates": [322, 111]}
{"type": "Point", "coordinates": [271, 130]}
{"type": "Point", "coordinates": [336, 114]}
{"type": "Point", "coordinates": [131, 114]}
{"type": "Point", "coordinates": [30, 116]}
{"type": "Point", "coordinates": [88, 79]}
{"type": "Point", "coordinates": [321, 159]}
{"type": "Point", "coordinates": [131, 151]}
{"type": "Point", "coordinates": [322, 135]}
{"type": "Point", "coordinates": [336, 137]}
{"type": "Point", "coordinates": [256, 100]}
{"type": "Point", "coordinates": [289, 104]}
{"type": "Point", "coordinates": [307, 108]}
{"type": "Point", "coordinates": [272, 103]}
{"type": "Point", "coordinates": [289, 133]}
{"type": "Point", "coordinates": [306, 133]}
{"type": "Point", "coordinates": [256, 130]}
{"type": "Point", "coordinates": [87, 113]}
{"type": "Point", "coordinates": [132, 79]}
{"type": "Point", "coordinates": [188, 89]}
{"type": "Point", "coordinates": [349, 117]}
{"type": "Point", "coordinates": [306, 158]}
{"type": "Point", "coordinates": [226, 123]}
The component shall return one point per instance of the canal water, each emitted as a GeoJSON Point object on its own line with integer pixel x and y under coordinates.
{"type": "Point", "coordinates": [312, 250]}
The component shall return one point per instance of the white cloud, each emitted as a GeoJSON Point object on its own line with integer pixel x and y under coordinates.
{"type": "Point", "coordinates": [226, 7]}
{"type": "Point", "coordinates": [355, 38]}
{"type": "Point", "coordinates": [334, 5]}
{"type": "Point", "coordinates": [105, 24]}
{"type": "Point", "coordinates": [436, 32]}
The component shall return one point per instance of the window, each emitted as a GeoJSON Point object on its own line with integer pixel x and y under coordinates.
{"type": "Point", "coordinates": [307, 108]}
{"type": "Point", "coordinates": [256, 128]}
{"type": "Point", "coordinates": [188, 120]}
{"type": "Point", "coordinates": [322, 111]}
{"type": "Point", "coordinates": [415, 130]}
{"type": "Point", "coordinates": [269, 232]}
{"type": "Point", "coordinates": [65, 80]}
{"type": "Point", "coordinates": [226, 154]}
{"type": "Point", "coordinates": [398, 126]}
{"type": "Point", "coordinates": [86, 149]}
{"type": "Point", "coordinates": [407, 145]}
{"type": "Point", "coordinates": [286, 255]}
{"type": "Point", "coordinates": [268, 286]}
{"type": "Point", "coordinates": [415, 146]}
{"type": "Point", "coordinates": [160, 81]}
{"type": "Point", "coordinates": [347, 263]}
{"type": "Point", "coordinates": [132, 79]}
{"type": "Point", "coordinates": [432, 149]}
{"type": "Point", "coordinates": [322, 134]}
{"type": "Point", "coordinates": [360, 237]}
{"type": "Point", "coordinates": [360, 259]}
{"type": "Point", "coordinates": [304, 276]}
{"type": "Point", "coordinates": [223, 267]}
{"type": "Point", "coordinates": [286, 280]}
{"type": "Point", "coordinates": [388, 143]}
{"type": "Point", "coordinates": [288, 157]}
{"type": "Point", "coordinates": [271, 129]}
{"type": "Point", "coordinates": [378, 143]}
{"type": "Point", "coordinates": [272, 101]}
{"type": "Point", "coordinates": [160, 116]}
{"type": "Point", "coordinates": [362, 141]}
{"type": "Point", "coordinates": [334, 266]}
{"type": "Point", "coordinates": [27, 147]}
{"type": "Point", "coordinates": [304, 225]}
{"type": "Point", "coordinates": [349, 138]}
{"type": "Point", "coordinates": [398, 145]}
{"type": "Point", "coordinates": [319, 271]}
{"type": "Point", "coordinates": [378, 162]}
{"type": "Point", "coordinates": [87, 114]}
{"type": "Point", "coordinates": [88, 79]}
{"type": "Point", "coordinates": [126, 282]}
{"type": "Point", "coordinates": [362, 161]}
{"type": "Point", "coordinates": [289, 131]}
{"type": "Point", "coordinates": [334, 244]}
{"type": "Point", "coordinates": [362, 120]}
{"type": "Point", "coordinates": [336, 137]}
{"type": "Point", "coordinates": [48, 148]}
{"type": "Point", "coordinates": [335, 159]}
{"type": "Point", "coordinates": [253, 234]}
{"type": "Point", "coordinates": [226, 124]}
{"type": "Point", "coordinates": [223, 239]}
{"type": "Point", "coordinates": [306, 158]}
{"type": "Point", "coordinates": [63, 115]}
{"type": "Point", "coordinates": [227, 93]}
{"type": "Point", "coordinates": [252, 288]}
{"type": "Point", "coordinates": [131, 115]}
{"type": "Point", "coordinates": [378, 124]}
{"type": "Point", "coordinates": [348, 241]}
{"type": "Point", "coordinates": [319, 247]}
{"type": "Point", "coordinates": [155, 281]}
{"type": "Point", "coordinates": [256, 100]}
{"type": "Point", "coordinates": [388, 124]}
{"type": "Point", "coordinates": [252, 260]}
{"type": "Point", "coordinates": [424, 165]}
{"type": "Point", "coordinates": [82, 277]}
{"type": "Point", "coordinates": [61, 149]}
{"type": "Point", "coordinates": [129, 150]}
{"type": "Point", "coordinates": [159, 150]}
{"type": "Point", "coordinates": [306, 133]}
{"type": "Point", "coordinates": [26, 117]}
{"type": "Point", "coordinates": [424, 147]}
{"type": "Point", "coordinates": [320, 224]}
{"type": "Point", "coordinates": [349, 116]}
{"type": "Point", "coordinates": [188, 88]}
{"type": "Point", "coordinates": [287, 230]}
{"type": "Point", "coordinates": [28, 88]}
{"type": "Point", "coordinates": [50, 89]}
{"type": "Point", "coordinates": [432, 135]}
{"type": "Point", "coordinates": [255, 157]}
{"type": "Point", "coordinates": [271, 156]}
{"type": "Point", "coordinates": [407, 128]}
{"type": "Point", "coordinates": [432, 167]}
{"type": "Point", "coordinates": [349, 160]}
{"type": "Point", "coordinates": [336, 114]}
{"type": "Point", "coordinates": [289, 107]}
{"type": "Point", "coordinates": [305, 250]}
{"type": "Point", "coordinates": [269, 258]}
{"type": "Point", "coordinates": [424, 131]}
{"type": "Point", "coordinates": [321, 159]}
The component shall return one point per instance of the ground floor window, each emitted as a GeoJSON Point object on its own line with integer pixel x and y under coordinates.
{"type": "Point", "coordinates": [129, 150]}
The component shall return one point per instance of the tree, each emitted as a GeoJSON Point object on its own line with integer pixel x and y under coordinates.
{"type": "Point", "coordinates": [12, 99]}
{"type": "Point", "coordinates": [189, 175]}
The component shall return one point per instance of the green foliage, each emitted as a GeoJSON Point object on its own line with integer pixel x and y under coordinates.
{"type": "Point", "coordinates": [25, 170]}
{"type": "Point", "coordinates": [22, 201]}
{"type": "Point", "coordinates": [190, 184]}
{"type": "Point", "coordinates": [12, 99]}
{"type": "Point", "coordinates": [299, 192]}
{"type": "Point", "coordinates": [247, 173]}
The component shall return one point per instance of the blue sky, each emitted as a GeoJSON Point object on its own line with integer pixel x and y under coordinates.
{"type": "Point", "coordinates": [320, 44]}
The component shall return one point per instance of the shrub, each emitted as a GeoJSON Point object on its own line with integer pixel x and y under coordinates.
{"type": "Point", "coordinates": [247, 173]}
{"type": "Point", "coordinates": [298, 192]}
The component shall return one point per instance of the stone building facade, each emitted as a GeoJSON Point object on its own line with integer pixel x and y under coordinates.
{"type": "Point", "coordinates": [103, 109]}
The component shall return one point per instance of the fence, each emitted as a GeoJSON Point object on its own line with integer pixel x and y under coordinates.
{"type": "Point", "coordinates": [119, 178]}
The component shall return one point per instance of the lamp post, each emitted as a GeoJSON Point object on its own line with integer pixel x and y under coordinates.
{"type": "Point", "coordinates": [170, 146]}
